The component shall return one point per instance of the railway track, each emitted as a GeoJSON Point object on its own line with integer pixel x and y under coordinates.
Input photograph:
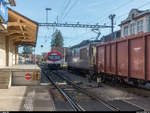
{"type": "Point", "coordinates": [138, 90]}
{"type": "Point", "coordinates": [76, 104]}
{"type": "Point", "coordinates": [81, 99]}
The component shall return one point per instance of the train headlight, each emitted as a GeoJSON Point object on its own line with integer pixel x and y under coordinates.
{"type": "Point", "coordinates": [75, 60]}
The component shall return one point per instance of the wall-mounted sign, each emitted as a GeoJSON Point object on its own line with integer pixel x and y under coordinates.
{"type": "Point", "coordinates": [28, 76]}
{"type": "Point", "coordinates": [3, 11]}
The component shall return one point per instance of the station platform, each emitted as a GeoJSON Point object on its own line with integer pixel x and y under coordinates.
{"type": "Point", "coordinates": [19, 75]}
{"type": "Point", "coordinates": [26, 98]}
{"type": "Point", "coordinates": [20, 68]}
{"type": "Point", "coordinates": [19, 93]}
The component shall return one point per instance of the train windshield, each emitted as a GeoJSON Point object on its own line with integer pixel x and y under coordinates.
{"type": "Point", "coordinates": [54, 57]}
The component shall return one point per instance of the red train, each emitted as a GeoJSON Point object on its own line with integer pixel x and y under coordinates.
{"type": "Point", "coordinates": [125, 60]}
{"type": "Point", "coordinates": [54, 60]}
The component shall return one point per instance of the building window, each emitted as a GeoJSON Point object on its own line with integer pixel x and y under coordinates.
{"type": "Point", "coordinates": [140, 26]}
{"type": "Point", "coordinates": [75, 53]}
{"type": "Point", "coordinates": [126, 31]}
{"type": "Point", "coordinates": [132, 28]}
{"type": "Point", "coordinates": [133, 15]}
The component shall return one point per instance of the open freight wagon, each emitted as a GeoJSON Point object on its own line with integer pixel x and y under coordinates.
{"type": "Point", "coordinates": [127, 59]}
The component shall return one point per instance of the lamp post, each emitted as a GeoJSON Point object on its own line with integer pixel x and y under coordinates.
{"type": "Point", "coordinates": [47, 9]}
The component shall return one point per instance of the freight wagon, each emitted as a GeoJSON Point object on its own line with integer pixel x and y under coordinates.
{"type": "Point", "coordinates": [127, 59]}
{"type": "Point", "coordinates": [123, 60]}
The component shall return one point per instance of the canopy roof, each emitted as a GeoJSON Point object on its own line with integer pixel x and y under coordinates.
{"type": "Point", "coordinates": [22, 30]}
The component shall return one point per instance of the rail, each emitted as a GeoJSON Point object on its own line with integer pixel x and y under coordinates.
{"type": "Point", "coordinates": [68, 98]}
{"type": "Point", "coordinates": [113, 108]}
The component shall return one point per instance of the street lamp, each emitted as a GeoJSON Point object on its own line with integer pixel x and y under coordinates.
{"type": "Point", "coordinates": [47, 9]}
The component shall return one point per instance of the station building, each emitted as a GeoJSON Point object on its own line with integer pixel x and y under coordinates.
{"type": "Point", "coordinates": [20, 31]}
{"type": "Point", "coordinates": [136, 22]}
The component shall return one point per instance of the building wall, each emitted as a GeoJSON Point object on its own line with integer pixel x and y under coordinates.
{"type": "Point", "coordinates": [2, 51]}
{"type": "Point", "coordinates": [146, 25]}
{"type": "Point", "coordinates": [12, 50]}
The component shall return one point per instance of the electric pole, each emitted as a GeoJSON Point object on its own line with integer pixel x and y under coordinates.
{"type": "Point", "coordinates": [112, 17]}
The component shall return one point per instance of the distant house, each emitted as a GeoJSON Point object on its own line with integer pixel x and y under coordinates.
{"type": "Point", "coordinates": [137, 21]}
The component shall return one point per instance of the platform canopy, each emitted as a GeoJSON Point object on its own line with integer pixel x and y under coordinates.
{"type": "Point", "coordinates": [20, 29]}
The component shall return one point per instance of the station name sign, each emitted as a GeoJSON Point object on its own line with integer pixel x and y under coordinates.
{"type": "Point", "coordinates": [3, 11]}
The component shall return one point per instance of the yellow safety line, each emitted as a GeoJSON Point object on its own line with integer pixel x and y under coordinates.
{"type": "Point", "coordinates": [38, 75]}
{"type": "Point", "coordinates": [33, 75]}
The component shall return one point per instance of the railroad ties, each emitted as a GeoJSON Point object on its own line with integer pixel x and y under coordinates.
{"type": "Point", "coordinates": [81, 99]}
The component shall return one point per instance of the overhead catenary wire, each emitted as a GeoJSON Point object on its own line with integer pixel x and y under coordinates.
{"type": "Point", "coordinates": [125, 14]}
{"type": "Point", "coordinates": [145, 4]}
{"type": "Point", "coordinates": [65, 8]}
{"type": "Point", "coordinates": [119, 7]}
{"type": "Point", "coordinates": [61, 9]}
{"type": "Point", "coordinates": [71, 7]}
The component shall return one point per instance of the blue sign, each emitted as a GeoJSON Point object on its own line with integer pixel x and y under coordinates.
{"type": "Point", "coordinates": [4, 11]}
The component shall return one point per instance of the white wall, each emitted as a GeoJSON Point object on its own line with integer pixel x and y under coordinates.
{"type": "Point", "coordinates": [146, 25]}
{"type": "Point", "coordinates": [2, 51]}
{"type": "Point", "coordinates": [11, 53]}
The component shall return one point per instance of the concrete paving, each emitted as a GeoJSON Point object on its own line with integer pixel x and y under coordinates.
{"type": "Point", "coordinates": [26, 98]}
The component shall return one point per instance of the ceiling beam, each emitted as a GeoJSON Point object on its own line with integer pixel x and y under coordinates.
{"type": "Point", "coordinates": [16, 24]}
{"type": "Point", "coordinates": [22, 18]}
{"type": "Point", "coordinates": [26, 38]}
{"type": "Point", "coordinates": [14, 32]}
{"type": "Point", "coordinates": [24, 43]}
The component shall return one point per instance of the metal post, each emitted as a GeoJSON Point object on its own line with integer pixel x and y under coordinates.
{"type": "Point", "coordinates": [111, 17]}
{"type": "Point", "coordinates": [47, 9]}
{"type": "Point", "coordinates": [34, 57]}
